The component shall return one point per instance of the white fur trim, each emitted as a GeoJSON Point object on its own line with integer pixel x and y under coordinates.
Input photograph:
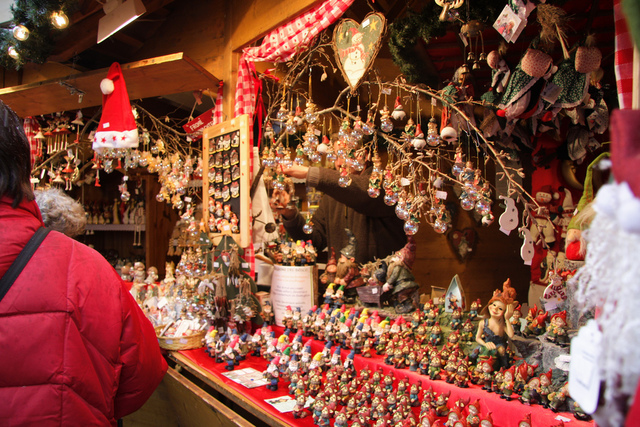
{"type": "Point", "coordinates": [115, 139]}
{"type": "Point", "coordinates": [107, 86]}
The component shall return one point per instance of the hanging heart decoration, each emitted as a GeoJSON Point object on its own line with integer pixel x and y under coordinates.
{"type": "Point", "coordinates": [356, 46]}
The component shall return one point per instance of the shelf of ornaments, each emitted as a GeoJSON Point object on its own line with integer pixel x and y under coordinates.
{"type": "Point", "coordinates": [115, 227]}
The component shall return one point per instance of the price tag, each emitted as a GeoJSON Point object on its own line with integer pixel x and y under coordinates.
{"type": "Point", "coordinates": [374, 290]}
{"type": "Point", "coordinates": [551, 93]}
{"type": "Point", "coordinates": [441, 195]}
{"type": "Point", "coordinates": [584, 376]}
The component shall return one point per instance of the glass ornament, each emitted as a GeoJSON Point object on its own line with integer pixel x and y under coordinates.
{"type": "Point", "coordinates": [307, 227]}
{"type": "Point", "coordinates": [315, 157]}
{"type": "Point", "coordinates": [467, 204]}
{"type": "Point", "coordinates": [472, 192]}
{"type": "Point", "coordinates": [282, 113]}
{"type": "Point", "coordinates": [310, 113]}
{"type": "Point", "coordinates": [411, 227]}
{"type": "Point", "coordinates": [373, 192]}
{"type": "Point", "coordinates": [386, 125]}
{"type": "Point", "coordinates": [125, 196]}
{"type": "Point", "coordinates": [344, 181]}
{"type": "Point", "coordinates": [457, 169]}
{"type": "Point", "coordinates": [160, 196]}
{"type": "Point", "coordinates": [290, 127]}
{"type": "Point", "coordinates": [440, 226]}
{"type": "Point", "coordinates": [483, 207]}
{"type": "Point", "coordinates": [402, 212]}
{"type": "Point", "coordinates": [390, 198]}
{"type": "Point", "coordinates": [368, 128]}
{"type": "Point", "coordinates": [107, 165]}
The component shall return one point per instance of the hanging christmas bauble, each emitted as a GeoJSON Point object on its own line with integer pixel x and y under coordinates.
{"type": "Point", "coordinates": [488, 219]}
{"type": "Point", "coordinates": [467, 204]}
{"type": "Point", "coordinates": [344, 181]}
{"type": "Point", "coordinates": [440, 226]}
{"type": "Point", "coordinates": [307, 228]}
{"type": "Point", "coordinates": [315, 157]}
{"type": "Point", "coordinates": [373, 192]}
{"type": "Point", "coordinates": [310, 114]}
{"type": "Point", "coordinates": [483, 207]}
{"type": "Point", "coordinates": [386, 125]}
{"type": "Point", "coordinates": [390, 198]}
{"type": "Point", "coordinates": [282, 113]}
{"type": "Point", "coordinates": [160, 196]}
{"type": "Point", "coordinates": [290, 127]}
{"type": "Point", "coordinates": [411, 227]}
{"type": "Point", "coordinates": [368, 128]}
{"type": "Point", "coordinates": [125, 196]}
{"type": "Point", "coordinates": [107, 165]}
{"type": "Point", "coordinates": [402, 212]}
{"type": "Point", "coordinates": [457, 169]}
{"type": "Point", "coordinates": [472, 192]}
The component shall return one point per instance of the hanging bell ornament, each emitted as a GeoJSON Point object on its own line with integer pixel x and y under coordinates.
{"type": "Point", "coordinates": [471, 57]}
{"type": "Point", "coordinates": [476, 65]}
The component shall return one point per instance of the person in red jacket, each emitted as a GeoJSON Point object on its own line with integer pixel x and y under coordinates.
{"type": "Point", "coordinates": [76, 348]}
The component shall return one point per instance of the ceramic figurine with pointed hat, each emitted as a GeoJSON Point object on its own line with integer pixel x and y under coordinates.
{"type": "Point", "coordinates": [545, 388]}
{"type": "Point", "coordinates": [400, 280]}
{"type": "Point", "coordinates": [537, 326]}
{"type": "Point", "coordinates": [529, 394]}
{"type": "Point", "coordinates": [474, 309]}
{"type": "Point", "coordinates": [557, 329]}
{"type": "Point", "coordinates": [515, 320]}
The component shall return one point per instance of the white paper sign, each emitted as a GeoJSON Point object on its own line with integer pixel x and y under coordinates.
{"type": "Point", "coordinates": [291, 286]}
{"type": "Point", "coordinates": [584, 377]}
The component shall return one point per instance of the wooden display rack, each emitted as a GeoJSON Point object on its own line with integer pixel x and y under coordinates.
{"type": "Point", "coordinates": [239, 125]}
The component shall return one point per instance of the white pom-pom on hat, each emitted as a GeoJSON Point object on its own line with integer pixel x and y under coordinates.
{"type": "Point", "coordinates": [629, 212]}
{"type": "Point", "coordinates": [107, 86]}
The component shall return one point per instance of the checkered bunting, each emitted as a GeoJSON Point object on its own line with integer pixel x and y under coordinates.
{"type": "Point", "coordinates": [623, 58]}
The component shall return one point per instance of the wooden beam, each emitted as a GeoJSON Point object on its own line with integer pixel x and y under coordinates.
{"type": "Point", "coordinates": [253, 20]}
{"type": "Point", "coordinates": [144, 79]}
{"type": "Point", "coordinates": [83, 34]}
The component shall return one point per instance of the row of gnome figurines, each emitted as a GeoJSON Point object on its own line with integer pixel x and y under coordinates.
{"type": "Point", "coordinates": [358, 395]}
{"type": "Point", "coordinates": [324, 324]}
{"type": "Point", "coordinates": [401, 343]}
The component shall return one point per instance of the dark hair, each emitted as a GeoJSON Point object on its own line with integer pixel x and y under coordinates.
{"type": "Point", "coordinates": [15, 158]}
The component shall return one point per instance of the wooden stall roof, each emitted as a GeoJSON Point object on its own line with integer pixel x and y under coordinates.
{"type": "Point", "coordinates": [162, 75]}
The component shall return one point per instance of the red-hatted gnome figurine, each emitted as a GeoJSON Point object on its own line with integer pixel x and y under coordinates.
{"type": "Point", "coordinates": [400, 280]}
{"type": "Point", "coordinates": [117, 128]}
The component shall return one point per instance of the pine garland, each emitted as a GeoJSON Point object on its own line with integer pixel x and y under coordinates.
{"type": "Point", "coordinates": [36, 16]}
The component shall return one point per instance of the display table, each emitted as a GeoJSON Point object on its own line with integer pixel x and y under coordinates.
{"type": "Point", "coordinates": [504, 413]}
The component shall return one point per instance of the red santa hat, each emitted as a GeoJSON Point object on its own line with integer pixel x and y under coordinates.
{"type": "Point", "coordinates": [117, 128]}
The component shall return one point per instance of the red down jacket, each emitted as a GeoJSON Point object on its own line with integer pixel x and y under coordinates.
{"type": "Point", "coordinates": [76, 349]}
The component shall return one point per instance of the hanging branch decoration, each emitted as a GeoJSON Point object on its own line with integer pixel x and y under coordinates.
{"type": "Point", "coordinates": [414, 178]}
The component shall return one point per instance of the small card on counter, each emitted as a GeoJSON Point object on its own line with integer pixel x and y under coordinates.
{"type": "Point", "coordinates": [248, 377]}
{"type": "Point", "coordinates": [287, 403]}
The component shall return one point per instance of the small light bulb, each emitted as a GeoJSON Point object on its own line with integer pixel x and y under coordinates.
{"type": "Point", "coordinates": [13, 52]}
{"type": "Point", "coordinates": [59, 20]}
{"type": "Point", "coordinates": [20, 32]}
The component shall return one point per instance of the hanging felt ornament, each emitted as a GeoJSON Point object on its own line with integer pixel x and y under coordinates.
{"type": "Point", "coordinates": [509, 219]}
{"type": "Point", "coordinates": [398, 110]}
{"type": "Point", "coordinates": [418, 140]}
{"type": "Point", "coordinates": [527, 250]}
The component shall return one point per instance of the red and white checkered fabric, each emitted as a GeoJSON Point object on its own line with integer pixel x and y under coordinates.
{"type": "Point", "coordinates": [31, 128]}
{"type": "Point", "coordinates": [623, 58]}
{"type": "Point", "coordinates": [217, 113]}
{"type": "Point", "coordinates": [279, 46]}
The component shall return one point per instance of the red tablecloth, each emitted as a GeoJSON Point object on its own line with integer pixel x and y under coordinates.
{"type": "Point", "coordinates": [504, 414]}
